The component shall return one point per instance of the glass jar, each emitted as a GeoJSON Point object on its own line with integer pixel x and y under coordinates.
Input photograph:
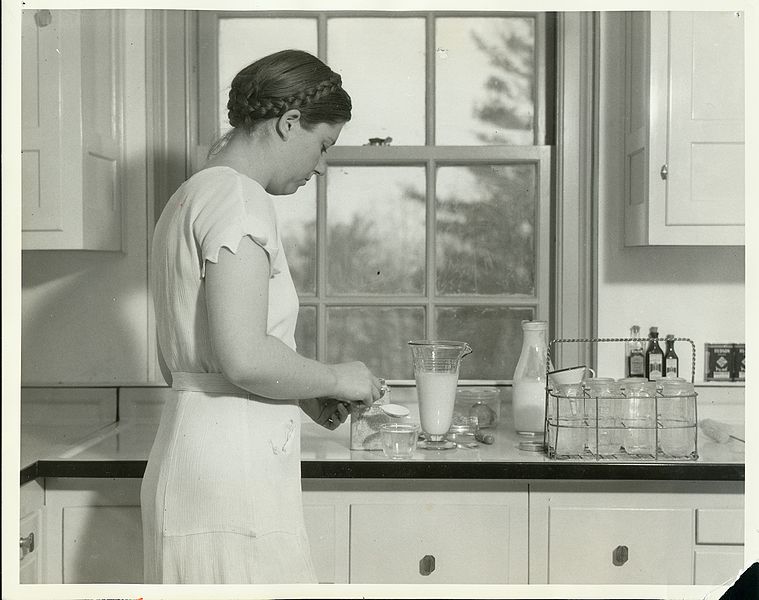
{"type": "Point", "coordinates": [677, 417]}
{"type": "Point", "coordinates": [602, 409]}
{"type": "Point", "coordinates": [639, 417]}
{"type": "Point", "coordinates": [480, 402]}
{"type": "Point", "coordinates": [567, 431]}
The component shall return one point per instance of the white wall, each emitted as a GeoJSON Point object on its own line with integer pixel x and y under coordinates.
{"type": "Point", "coordinates": [85, 315]}
{"type": "Point", "coordinates": [693, 292]}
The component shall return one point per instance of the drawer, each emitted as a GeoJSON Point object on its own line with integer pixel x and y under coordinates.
{"type": "Point", "coordinates": [30, 549]}
{"type": "Point", "coordinates": [429, 543]}
{"type": "Point", "coordinates": [620, 546]}
{"type": "Point", "coordinates": [715, 566]}
{"type": "Point", "coordinates": [719, 526]}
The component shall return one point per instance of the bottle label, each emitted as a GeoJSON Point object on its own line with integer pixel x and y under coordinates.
{"type": "Point", "coordinates": [637, 365]}
{"type": "Point", "coordinates": [670, 367]}
{"type": "Point", "coordinates": [655, 366]}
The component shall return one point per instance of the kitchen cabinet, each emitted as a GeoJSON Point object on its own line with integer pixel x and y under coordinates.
{"type": "Point", "coordinates": [93, 531]}
{"type": "Point", "coordinates": [401, 531]}
{"type": "Point", "coordinates": [449, 531]}
{"type": "Point", "coordinates": [72, 129]}
{"type": "Point", "coordinates": [684, 128]}
{"type": "Point", "coordinates": [635, 532]}
{"type": "Point", "coordinates": [327, 526]}
{"type": "Point", "coordinates": [719, 545]}
{"type": "Point", "coordinates": [31, 536]}
{"type": "Point", "coordinates": [426, 542]}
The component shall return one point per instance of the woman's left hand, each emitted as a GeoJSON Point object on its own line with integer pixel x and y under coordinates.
{"type": "Point", "coordinates": [327, 412]}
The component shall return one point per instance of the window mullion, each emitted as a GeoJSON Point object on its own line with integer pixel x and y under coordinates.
{"type": "Point", "coordinates": [431, 258]}
{"type": "Point", "coordinates": [321, 267]}
{"type": "Point", "coordinates": [429, 103]}
{"type": "Point", "coordinates": [321, 222]}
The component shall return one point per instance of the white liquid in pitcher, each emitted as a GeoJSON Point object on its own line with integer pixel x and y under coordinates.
{"type": "Point", "coordinates": [529, 402]}
{"type": "Point", "coordinates": [437, 395]}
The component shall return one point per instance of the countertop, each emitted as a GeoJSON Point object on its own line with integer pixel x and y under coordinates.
{"type": "Point", "coordinates": [120, 449]}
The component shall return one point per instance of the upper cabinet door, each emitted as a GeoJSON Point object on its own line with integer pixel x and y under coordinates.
{"type": "Point", "coordinates": [706, 174]}
{"type": "Point", "coordinates": [49, 45]}
{"type": "Point", "coordinates": [72, 143]}
{"type": "Point", "coordinates": [684, 138]}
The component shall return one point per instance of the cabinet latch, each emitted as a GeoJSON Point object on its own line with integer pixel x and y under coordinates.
{"type": "Point", "coordinates": [43, 18]}
{"type": "Point", "coordinates": [427, 564]}
{"type": "Point", "coordinates": [619, 556]}
{"type": "Point", "coordinates": [664, 171]}
{"type": "Point", "coordinates": [26, 544]}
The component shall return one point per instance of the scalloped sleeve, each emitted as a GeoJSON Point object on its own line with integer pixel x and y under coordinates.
{"type": "Point", "coordinates": [235, 208]}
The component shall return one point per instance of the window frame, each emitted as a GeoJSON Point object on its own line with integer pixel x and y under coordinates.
{"type": "Point", "coordinates": [571, 278]}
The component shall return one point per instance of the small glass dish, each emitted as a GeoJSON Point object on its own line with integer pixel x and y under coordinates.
{"type": "Point", "coordinates": [399, 440]}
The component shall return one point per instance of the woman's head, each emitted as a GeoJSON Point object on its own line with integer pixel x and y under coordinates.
{"type": "Point", "coordinates": [286, 80]}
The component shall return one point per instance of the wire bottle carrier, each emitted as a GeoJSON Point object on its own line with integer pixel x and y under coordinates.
{"type": "Point", "coordinates": [630, 420]}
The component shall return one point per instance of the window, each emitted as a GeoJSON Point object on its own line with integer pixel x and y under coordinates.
{"type": "Point", "coordinates": [441, 232]}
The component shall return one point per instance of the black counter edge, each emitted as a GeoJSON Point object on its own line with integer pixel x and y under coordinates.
{"type": "Point", "coordinates": [427, 470]}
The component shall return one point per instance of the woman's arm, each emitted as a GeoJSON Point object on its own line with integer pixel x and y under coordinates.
{"type": "Point", "coordinates": [237, 291]}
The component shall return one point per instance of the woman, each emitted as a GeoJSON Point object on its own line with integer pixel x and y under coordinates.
{"type": "Point", "coordinates": [221, 497]}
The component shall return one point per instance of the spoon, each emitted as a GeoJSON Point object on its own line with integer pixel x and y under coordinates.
{"type": "Point", "coordinates": [469, 446]}
{"type": "Point", "coordinates": [394, 410]}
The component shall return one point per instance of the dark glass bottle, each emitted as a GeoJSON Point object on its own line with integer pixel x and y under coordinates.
{"type": "Point", "coordinates": [671, 362]}
{"type": "Point", "coordinates": [654, 356]}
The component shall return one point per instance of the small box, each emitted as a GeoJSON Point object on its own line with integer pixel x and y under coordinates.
{"type": "Point", "coordinates": [739, 362]}
{"type": "Point", "coordinates": [366, 422]}
{"type": "Point", "coordinates": [365, 426]}
{"type": "Point", "coordinates": [718, 362]}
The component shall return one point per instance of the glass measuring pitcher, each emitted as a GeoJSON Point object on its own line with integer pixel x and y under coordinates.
{"type": "Point", "coordinates": [436, 370]}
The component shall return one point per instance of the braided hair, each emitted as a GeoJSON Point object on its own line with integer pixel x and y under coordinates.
{"type": "Point", "coordinates": [285, 80]}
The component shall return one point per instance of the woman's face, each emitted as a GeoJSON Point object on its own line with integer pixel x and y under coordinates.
{"type": "Point", "coordinates": [304, 155]}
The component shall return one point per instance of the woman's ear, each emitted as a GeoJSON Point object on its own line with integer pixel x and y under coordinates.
{"type": "Point", "coordinates": [286, 122]}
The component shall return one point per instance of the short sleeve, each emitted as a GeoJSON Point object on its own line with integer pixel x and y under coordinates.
{"type": "Point", "coordinates": [232, 209]}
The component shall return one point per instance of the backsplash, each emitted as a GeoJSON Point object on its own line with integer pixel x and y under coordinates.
{"type": "Point", "coordinates": [102, 405]}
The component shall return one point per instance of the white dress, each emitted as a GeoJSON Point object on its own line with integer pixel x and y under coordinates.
{"type": "Point", "coordinates": [221, 496]}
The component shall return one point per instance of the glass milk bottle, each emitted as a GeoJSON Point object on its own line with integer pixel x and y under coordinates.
{"type": "Point", "coordinates": [529, 381]}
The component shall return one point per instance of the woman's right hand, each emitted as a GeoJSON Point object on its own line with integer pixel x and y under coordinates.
{"type": "Point", "coordinates": [354, 382]}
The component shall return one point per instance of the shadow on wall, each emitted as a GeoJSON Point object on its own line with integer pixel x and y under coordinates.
{"type": "Point", "coordinates": [84, 318]}
{"type": "Point", "coordinates": [84, 313]}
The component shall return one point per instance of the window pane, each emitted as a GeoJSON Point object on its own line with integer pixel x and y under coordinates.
{"type": "Point", "coordinates": [376, 335]}
{"type": "Point", "coordinates": [382, 63]}
{"type": "Point", "coordinates": [484, 80]}
{"type": "Point", "coordinates": [494, 333]}
{"type": "Point", "coordinates": [296, 214]}
{"type": "Point", "coordinates": [305, 332]}
{"type": "Point", "coordinates": [486, 229]}
{"type": "Point", "coordinates": [243, 40]}
{"type": "Point", "coordinates": [376, 231]}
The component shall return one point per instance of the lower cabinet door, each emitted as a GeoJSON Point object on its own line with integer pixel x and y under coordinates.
{"type": "Point", "coordinates": [619, 545]}
{"type": "Point", "coordinates": [93, 530]}
{"type": "Point", "coordinates": [30, 543]}
{"type": "Point", "coordinates": [102, 544]}
{"type": "Point", "coordinates": [429, 543]}
{"type": "Point", "coordinates": [715, 566]}
{"type": "Point", "coordinates": [321, 528]}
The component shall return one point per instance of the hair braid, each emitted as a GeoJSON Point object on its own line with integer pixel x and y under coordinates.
{"type": "Point", "coordinates": [253, 97]}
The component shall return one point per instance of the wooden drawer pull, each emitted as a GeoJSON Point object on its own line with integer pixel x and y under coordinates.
{"type": "Point", "coordinates": [619, 556]}
{"type": "Point", "coordinates": [427, 565]}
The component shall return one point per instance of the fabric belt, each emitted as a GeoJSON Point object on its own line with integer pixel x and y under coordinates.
{"type": "Point", "coordinates": [213, 383]}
